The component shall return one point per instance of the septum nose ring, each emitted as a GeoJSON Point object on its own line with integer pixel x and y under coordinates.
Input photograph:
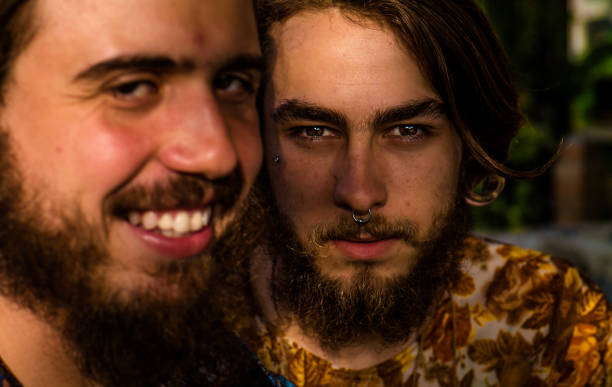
{"type": "Point", "coordinates": [362, 219]}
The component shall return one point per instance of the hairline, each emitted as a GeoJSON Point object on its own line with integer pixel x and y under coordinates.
{"type": "Point", "coordinates": [23, 28]}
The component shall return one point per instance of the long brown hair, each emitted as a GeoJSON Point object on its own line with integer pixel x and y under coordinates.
{"type": "Point", "coordinates": [459, 54]}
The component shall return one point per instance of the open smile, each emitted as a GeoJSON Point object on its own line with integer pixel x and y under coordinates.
{"type": "Point", "coordinates": [174, 234]}
{"type": "Point", "coordinates": [172, 224]}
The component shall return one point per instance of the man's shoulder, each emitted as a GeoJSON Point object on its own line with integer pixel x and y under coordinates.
{"type": "Point", "coordinates": [523, 287]}
{"type": "Point", "coordinates": [521, 304]}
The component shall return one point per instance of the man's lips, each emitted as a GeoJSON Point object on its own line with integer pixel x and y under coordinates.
{"type": "Point", "coordinates": [367, 249]}
{"type": "Point", "coordinates": [175, 233]}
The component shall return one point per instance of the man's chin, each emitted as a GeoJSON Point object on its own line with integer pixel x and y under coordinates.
{"type": "Point", "coordinates": [376, 276]}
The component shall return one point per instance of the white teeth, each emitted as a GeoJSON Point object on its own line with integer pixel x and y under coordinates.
{"type": "Point", "coordinates": [166, 222]}
{"type": "Point", "coordinates": [134, 218]}
{"type": "Point", "coordinates": [196, 221]}
{"type": "Point", "coordinates": [172, 225]}
{"type": "Point", "coordinates": [206, 217]}
{"type": "Point", "coordinates": [149, 220]}
{"type": "Point", "coordinates": [168, 233]}
{"type": "Point", "coordinates": [181, 222]}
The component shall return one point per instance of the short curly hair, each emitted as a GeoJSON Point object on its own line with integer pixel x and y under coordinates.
{"type": "Point", "coordinates": [458, 53]}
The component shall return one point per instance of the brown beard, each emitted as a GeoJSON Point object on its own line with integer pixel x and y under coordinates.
{"type": "Point", "coordinates": [337, 314]}
{"type": "Point", "coordinates": [148, 337]}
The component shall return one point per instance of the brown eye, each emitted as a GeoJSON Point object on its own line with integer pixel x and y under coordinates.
{"type": "Point", "coordinates": [234, 88]}
{"type": "Point", "coordinates": [135, 90]}
{"type": "Point", "coordinates": [407, 130]}
{"type": "Point", "coordinates": [313, 131]}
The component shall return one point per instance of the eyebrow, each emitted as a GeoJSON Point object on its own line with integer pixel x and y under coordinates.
{"type": "Point", "coordinates": [427, 107]}
{"type": "Point", "coordinates": [293, 109]}
{"type": "Point", "coordinates": [164, 64]}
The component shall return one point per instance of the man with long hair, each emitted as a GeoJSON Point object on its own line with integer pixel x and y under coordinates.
{"type": "Point", "coordinates": [383, 121]}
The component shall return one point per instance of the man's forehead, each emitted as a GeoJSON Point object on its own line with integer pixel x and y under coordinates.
{"type": "Point", "coordinates": [107, 28]}
{"type": "Point", "coordinates": [359, 70]}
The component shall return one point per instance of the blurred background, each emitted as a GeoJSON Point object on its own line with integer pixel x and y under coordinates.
{"type": "Point", "coordinates": [561, 54]}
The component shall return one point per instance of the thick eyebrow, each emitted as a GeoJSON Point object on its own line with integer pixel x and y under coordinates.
{"type": "Point", "coordinates": [293, 109]}
{"type": "Point", "coordinates": [244, 62]}
{"type": "Point", "coordinates": [428, 107]}
{"type": "Point", "coordinates": [134, 63]}
{"type": "Point", "coordinates": [164, 64]}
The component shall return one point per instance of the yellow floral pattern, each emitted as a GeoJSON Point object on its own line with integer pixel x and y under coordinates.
{"type": "Point", "coordinates": [515, 317]}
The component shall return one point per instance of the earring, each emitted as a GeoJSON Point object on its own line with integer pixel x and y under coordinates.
{"type": "Point", "coordinates": [276, 159]}
{"type": "Point", "coordinates": [492, 186]}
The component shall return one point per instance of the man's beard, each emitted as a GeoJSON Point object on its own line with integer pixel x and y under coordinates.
{"type": "Point", "coordinates": [139, 338]}
{"type": "Point", "coordinates": [385, 310]}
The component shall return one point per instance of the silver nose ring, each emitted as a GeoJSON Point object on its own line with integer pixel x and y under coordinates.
{"type": "Point", "coordinates": [362, 219]}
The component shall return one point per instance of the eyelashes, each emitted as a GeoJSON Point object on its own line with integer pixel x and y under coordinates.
{"type": "Point", "coordinates": [404, 133]}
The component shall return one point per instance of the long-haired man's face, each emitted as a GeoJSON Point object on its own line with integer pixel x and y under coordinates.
{"type": "Point", "coordinates": [357, 128]}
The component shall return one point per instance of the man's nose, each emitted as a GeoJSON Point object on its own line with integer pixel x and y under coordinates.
{"type": "Point", "coordinates": [359, 185]}
{"type": "Point", "coordinates": [199, 140]}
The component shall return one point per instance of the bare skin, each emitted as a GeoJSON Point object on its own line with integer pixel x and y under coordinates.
{"type": "Point", "coordinates": [349, 158]}
{"type": "Point", "coordinates": [105, 120]}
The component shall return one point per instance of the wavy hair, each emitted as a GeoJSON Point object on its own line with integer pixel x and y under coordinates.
{"type": "Point", "coordinates": [458, 53]}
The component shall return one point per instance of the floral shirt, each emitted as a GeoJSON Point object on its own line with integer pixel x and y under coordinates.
{"type": "Point", "coordinates": [515, 318]}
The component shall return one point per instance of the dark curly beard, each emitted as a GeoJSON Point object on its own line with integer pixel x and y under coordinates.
{"type": "Point", "coordinates": [387, 311]}
{"type": "Point", "coordinates": [144, 338]}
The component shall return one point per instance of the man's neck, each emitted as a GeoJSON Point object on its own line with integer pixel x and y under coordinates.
{"type": "Point", "coordinates": [364, 354]}
{"type": "Point", "coordinates": [33, 351]}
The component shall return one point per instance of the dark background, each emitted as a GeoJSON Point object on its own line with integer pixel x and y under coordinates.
{"type": "Point", "coordinates": [561, 56]}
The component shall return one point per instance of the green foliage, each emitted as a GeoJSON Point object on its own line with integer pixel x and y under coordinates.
{"type": "Point", "coordinates": [523, 202]}
{"type": "Point", "coordinates": [588, 73]}
{"type": "Point", "coordinates": [534, 34]}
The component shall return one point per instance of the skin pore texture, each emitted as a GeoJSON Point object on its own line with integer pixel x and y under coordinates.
{"type": "Point", "coordinates": [356, 127]}
{"type": "Point", "coordinates": [128, 141]}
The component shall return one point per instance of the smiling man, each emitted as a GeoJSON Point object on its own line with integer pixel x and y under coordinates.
{"type": "Point", "coordinates": [128, 141]}
{"type": "Point", "coordinates": [383, 120]}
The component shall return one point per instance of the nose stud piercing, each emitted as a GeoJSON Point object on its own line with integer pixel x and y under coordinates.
{"type": "Point", "coordinates": [362, 219]}
{"type": "Point", "coordinates": [276, 159]}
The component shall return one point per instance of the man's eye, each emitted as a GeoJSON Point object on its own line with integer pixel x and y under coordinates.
{"type": "Point", "coordinates": [234, 88]}
{"type": "Point", "coordinates": [314, 131]}
{"type": "Point", "coordinates": [407, 132]}
{"type": "Point", "coordinates": [135, 90]}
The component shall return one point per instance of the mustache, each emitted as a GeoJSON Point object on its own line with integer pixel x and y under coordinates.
{"type": "Point", "coordinates": [378, 227]}
{"type": "Point", "coordinates": [182, 191]}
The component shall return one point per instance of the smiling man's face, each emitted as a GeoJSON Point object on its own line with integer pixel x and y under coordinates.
{"type": "Point", "coordinates": [140, 117]}
{"type": "Point", "coordinates": [357, 127]}
{"type": "Point", "coordinates": [129, 138]}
